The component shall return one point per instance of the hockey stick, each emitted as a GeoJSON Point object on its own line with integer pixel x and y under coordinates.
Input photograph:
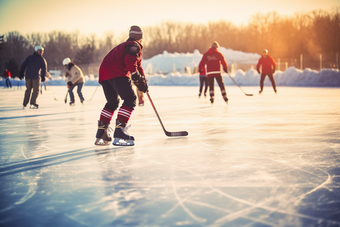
{"type": "Point", "coordinates": [181, 133]}
{"type": "Point", "coordinates": [66, 96]}
{"type": "Point", "coordinates": [94, 92]}
{"type": "Point", "coordinates": [239, 86]}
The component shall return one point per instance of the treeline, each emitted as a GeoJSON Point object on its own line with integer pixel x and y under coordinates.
{"type": "Point", "coordinates": [308, 34]}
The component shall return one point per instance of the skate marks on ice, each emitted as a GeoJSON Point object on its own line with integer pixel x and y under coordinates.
{"type": "Point", "coordinates": [38, 162]}
{"type": "Point", "coordinates": [32, 188]}
{"type": "Point", "coordinates": [328, 180]}
{"type": "Point", "coordinates": [247, 208]}
{"type": "Point", "coordinates": [32, 116]}
{"type": "Point", "coordinates": [119, 200]}
{"type": "Point", "coordinates": [30, 171]}
{"type": "Point", "coordinates": [282, 200]}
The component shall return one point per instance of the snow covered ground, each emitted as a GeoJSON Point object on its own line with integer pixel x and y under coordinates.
{"type": "Point", "coordinates": [265, 160]}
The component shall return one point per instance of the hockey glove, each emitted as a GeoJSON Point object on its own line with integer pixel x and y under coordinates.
{"type": "Point", "coordinates": [140, 81]}
{"type": "Point", "coordinates": [69, 84]}
{"type": "Point", "coordinates": [273, 70]}
{"type": "Point", "coordinates": [258, 71]}
{"type": "Point", "coordinates": [225, 70]}
{"type": "Point", "coordinates": [42, 79]}
{"type": "Point", "coordinates": [21, 75]}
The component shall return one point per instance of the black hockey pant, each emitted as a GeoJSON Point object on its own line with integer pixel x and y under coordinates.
{"type": "Point", "coordinates": [220, 84]}
{"type": "Point", "coordinates": [271, 77]}
{"type": "Point", "coordinates": [203, 81]}
{"type": "Point", "coordinates": [119, 86]}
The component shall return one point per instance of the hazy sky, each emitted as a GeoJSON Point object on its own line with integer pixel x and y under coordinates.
{"type": "Point", "coordinates": [99, 16]}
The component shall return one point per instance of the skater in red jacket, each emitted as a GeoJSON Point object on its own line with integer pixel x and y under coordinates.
{"type": "Point", "coordinates": [214, 59]}
{"type": "Point", "coordinates": [268, 66]}
{"type": "Point", "coordinates": [7, 76]}
{"type": "Point", "coordinates": [119, 68]}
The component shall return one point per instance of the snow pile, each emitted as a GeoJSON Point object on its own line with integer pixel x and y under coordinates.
{"type": "Point", "coordinates": [308, 77]}
{"type": "Point", "coordinates": [238, 57]}
{"type": "Point", "coordinates": [167, 62]}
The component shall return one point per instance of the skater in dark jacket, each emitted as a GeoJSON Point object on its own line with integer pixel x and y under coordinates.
{"type": "Point", "coordinates": [268, 65]}
{"type": "Point", "coordinates": [214, 59]}
{"type": "Point", "coordinates": [203, 82]}
{"type": "Point", "coordinates": [119, 68]}
{"type": "Point", "coordinates": [30, 69]}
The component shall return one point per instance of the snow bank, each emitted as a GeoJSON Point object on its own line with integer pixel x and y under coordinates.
{"type": "Point", "coordinates": [168, 62]}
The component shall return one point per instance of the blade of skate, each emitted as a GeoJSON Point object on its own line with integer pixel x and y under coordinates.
{"type": "Point", "coordinates": [101, 142]}
{"type": "Point", "coordinates": [122, 142]}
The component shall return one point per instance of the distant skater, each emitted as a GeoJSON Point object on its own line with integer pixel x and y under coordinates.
{"type": "Point", "coordinates": [268, 66]}
{"type": "Point", "coordinates": [30, 69]}
{"type": "Point", "coordinates": [7, 76]}
{"type": "Point", "coordinates": [121, 67]}
{"type": "Point", "coordinates": [75, 77]}
{"type": "Point", "coordinates": [203, 82]}
{"type": "Point", "coordinates": [44, 83]}
{"type": "Point", "coordinates": [214, 59]}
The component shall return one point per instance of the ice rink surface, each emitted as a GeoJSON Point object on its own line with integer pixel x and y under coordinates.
{"type": "Point", "coordinates": [266, 160]}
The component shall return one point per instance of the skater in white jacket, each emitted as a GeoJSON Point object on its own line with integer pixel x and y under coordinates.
{"type": "Point", "coordinates": [75, 77]}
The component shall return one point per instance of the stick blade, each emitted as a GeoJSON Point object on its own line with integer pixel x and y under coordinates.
{"type": "Point", "coordinates": [181, 133]}
{"type": "Point", "coordinates": [249, 94]}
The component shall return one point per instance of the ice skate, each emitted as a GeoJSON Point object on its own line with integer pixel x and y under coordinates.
{"type": "Point", "coordinates": [141, 103]}
{"type": "Point", "coordinates": [34, 106]}
{"type": "Point", "coordinates": [199, 95]}
{"type": "Point", "coordinates": [72, 104]}
{"type": "Point", "coordinates": [120, 136]}
{"type": "Point", "coordinates": [260, 92]}
{"type": "Point", "coordinates": [212, 100]}
{"type": "Point", "coordinates": [226, 99]}
{"type": "Point", "coordinates": [103, 137]}
{"type": "Point", "coordinates": [83, 102]}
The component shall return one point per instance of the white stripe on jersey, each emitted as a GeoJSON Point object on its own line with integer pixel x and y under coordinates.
{"type": "Point", "coordinates": [213, 72]}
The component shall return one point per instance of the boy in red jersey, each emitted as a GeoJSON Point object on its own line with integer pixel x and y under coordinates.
{"type": "Point", "coordinates": [214, 59]}
{"type": "Point", "coordinates": [268, 66]}
{"type": "Point", "coordinates": [120, 67]}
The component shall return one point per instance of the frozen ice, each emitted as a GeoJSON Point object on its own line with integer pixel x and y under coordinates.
{"type": "Point", "coordinates": [266, 160]}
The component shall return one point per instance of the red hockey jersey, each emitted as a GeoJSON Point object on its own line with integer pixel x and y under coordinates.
{"type": "Point", "coordinates": [123, 60]}
{"type": "Point", "coordinates": [213, 59]}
